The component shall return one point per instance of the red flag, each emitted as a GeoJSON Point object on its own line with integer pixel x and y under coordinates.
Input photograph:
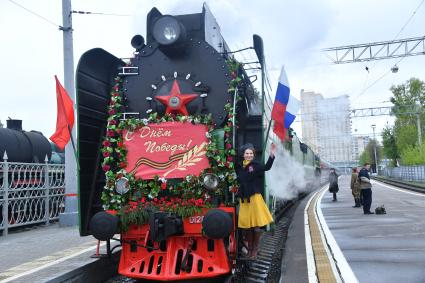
{"type": "Point", "coordinates": [65, 118]}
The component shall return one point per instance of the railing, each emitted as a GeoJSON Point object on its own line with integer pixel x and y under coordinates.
{"type": "Point", "coordinates": [406, 173]}
{"type": "Point", "coordinates": [30, 193]}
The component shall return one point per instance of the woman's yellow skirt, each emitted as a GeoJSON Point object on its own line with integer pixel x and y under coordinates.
{"type": "Point", "coordinates": [254, 213]}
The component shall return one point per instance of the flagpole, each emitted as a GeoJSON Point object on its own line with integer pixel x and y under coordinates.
{"type": "Point", "coordinates": [267, 135]}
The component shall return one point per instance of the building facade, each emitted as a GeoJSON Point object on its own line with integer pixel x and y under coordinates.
{"type": "Point", "coordinates": [326, 126]}
{"type": "Point", "coordinates": [359, 145]}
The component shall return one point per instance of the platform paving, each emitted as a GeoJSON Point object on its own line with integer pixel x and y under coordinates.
{"type": "Point", "coordinates": [52, 254]}
{"type": "Point", "coordinates": [380, 248]}
{"type": "Point", "coordinates": [28, 245]}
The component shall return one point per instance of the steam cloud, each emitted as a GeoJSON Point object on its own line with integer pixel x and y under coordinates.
{"type": "Point", "coordinates": [287, 177]}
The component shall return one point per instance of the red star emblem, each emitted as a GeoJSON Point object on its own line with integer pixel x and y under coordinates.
{"type": "Point", "coordinates": [176, 101]}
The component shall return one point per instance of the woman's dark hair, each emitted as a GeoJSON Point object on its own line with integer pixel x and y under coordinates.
{"type": "Point", "coordinates": [245, 147]}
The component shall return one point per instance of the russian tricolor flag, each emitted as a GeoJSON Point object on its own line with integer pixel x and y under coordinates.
{"type": "Point", "coordinates": [285, 107]}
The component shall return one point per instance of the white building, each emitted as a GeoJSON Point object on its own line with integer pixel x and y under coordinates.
{"type": "Point", "coordinates": [326, 125]}
{"type": "Point", "coordinates": [359, 145]}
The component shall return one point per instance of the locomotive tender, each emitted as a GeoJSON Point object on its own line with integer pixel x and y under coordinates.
{"type": "Point", "coordinates": [157, 141]}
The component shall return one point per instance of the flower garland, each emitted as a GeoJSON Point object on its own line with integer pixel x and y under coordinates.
{"type": "Point", "coordinates": [186, 197]}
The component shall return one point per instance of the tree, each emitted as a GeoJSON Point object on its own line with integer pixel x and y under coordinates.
{"type": "Point", "coordinates": [405, 100]}
{"type": "Point", "coordinates": [390, 145]}
{"type": "Point", "coordinates": [413, 155]}
{"type": "Point", "coordinates": [408, 100]}
{"type": "Point", "coordinates": [368, 155]}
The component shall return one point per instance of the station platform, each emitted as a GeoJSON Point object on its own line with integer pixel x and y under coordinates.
{"type": "Point", "coordinates": [50, 254]}
{"type": "Point", "coordinates": [334, 242]}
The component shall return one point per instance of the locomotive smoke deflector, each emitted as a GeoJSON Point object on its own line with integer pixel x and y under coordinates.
{"type": "Point", "coordinates": [259, 48]}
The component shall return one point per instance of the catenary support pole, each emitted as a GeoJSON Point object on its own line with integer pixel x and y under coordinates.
{"type": "Point", "coordinates": [69, 216]}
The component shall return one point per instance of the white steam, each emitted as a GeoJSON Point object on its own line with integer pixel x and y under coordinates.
{"type": "Point", "coordinates": [287, 177]}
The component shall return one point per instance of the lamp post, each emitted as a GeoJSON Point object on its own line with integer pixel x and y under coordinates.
{"type": "Point", "coordinates": [374, 148]}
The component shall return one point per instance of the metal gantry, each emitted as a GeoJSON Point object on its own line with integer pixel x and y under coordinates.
{"type": "Point", "coordinates": [367, 112]}
{"type": "Point", "coordinates": [376, 50]}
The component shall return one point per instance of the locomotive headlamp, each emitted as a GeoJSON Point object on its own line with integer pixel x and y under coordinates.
{"type": "Point", "coordinates": [210, 181]}
{"type": "Point", "coordinates": [121, 185]}
{"type": "Point", "coordinates": [168, 30]}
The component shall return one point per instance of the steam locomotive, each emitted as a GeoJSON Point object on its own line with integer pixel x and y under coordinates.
{"type": "Point", "coordinates": [157, 139]}
{"type": "Point", "coordinates": [27, 147]}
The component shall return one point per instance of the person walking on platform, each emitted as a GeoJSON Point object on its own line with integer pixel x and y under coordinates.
{"type": "Point", "coordinates": [253, 211]}
{"type": "Point", "coordinates": [366, 188]}
{"type": "Point", "coordinates": [333, 183]}
{"type": "Point", "coordinates": [355, 187]}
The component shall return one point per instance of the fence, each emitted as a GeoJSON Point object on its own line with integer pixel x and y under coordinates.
{"type": "Point", "coordinates": [406, 173]}
{"type": "Point", "coordinates": [30, 193]}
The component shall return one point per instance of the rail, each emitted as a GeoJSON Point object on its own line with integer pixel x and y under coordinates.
{"type": "Point", "coordinates": [30, 193]}
{"type": "Point", "coordinates": [420, 188]}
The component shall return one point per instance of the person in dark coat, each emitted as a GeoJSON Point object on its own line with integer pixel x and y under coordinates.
{"type": "Point", "coordinates": [253, 211]}
{"type": "Point", "coordinates": [333, 183]}
{"type": "Point", "coordinates": [366, 188]}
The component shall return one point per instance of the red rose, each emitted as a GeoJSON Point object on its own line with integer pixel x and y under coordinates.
{"type": "Point", "coordinates": [106, 167]}
{"type": "Point", "coordinates": [111, 112]}
{"type": "Point", "coordinates": [106, 154]}
{"type": "Point", "coordinates": [163, 186]}
{"type": "Point", "coordinates": [110, 133]}
{"type": "Point", "coordinates": [229, 158]}
{"type": "Point", "coordinates": [112, 122]}
{"type": "Point", "coordinates": [228, 146]}
{"type": "Point", "coordinates": [106, 143]}
{"type": "Point", "coordinates": [143, 200]}
{"type": "Point", "coordinates": [233, 189]}
{"type": "Point", "coordinates": [120, 144]}
{"type": "Point", "coordinates": [122, 164]}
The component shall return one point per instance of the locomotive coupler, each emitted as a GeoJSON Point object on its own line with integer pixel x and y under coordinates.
{"type": "Point", "coordinates": [185, 260]}
{"type": "Point", "coordinates": [163, 225]}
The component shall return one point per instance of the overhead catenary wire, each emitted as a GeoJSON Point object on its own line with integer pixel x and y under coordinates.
{"type": "Point", "coordinates": [99, 13]}
{"type": "Point", "coordinates": [364, 89]}
{"type": "Point", "coordinates": [35, 14]}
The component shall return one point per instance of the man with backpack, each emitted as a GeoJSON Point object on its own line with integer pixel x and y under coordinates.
{"type": "Point", "coordinates": [366, 188]}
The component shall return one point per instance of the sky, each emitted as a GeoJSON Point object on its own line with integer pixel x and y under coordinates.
{"type": "Point", "coordinates": [294, 32]}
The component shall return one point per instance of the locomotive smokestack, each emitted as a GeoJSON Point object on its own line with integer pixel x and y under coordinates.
{"type": "Point", "coordinates": [14, 124]}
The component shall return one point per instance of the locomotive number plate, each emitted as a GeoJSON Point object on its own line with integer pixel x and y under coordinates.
{"type": "Point", "coordinates": [196, 219]}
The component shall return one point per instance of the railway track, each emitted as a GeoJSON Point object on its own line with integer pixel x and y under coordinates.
{"type": "Point", "coordinates": [267, 266]}
{"type": "Point", "coordinates": [400, 184]}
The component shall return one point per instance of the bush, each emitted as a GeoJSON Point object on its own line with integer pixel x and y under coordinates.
{"type": "Point", "coordinates": [413, 155]}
